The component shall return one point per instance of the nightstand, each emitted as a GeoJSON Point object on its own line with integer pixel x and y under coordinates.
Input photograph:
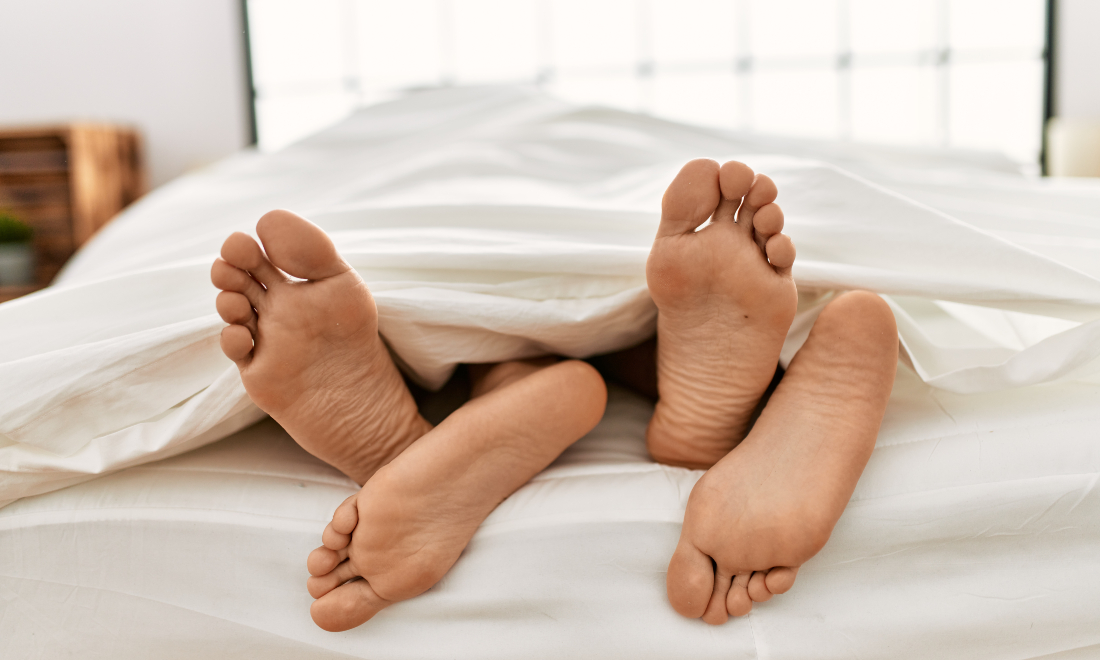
{"type": "Point", "coordinates": [66, 182]}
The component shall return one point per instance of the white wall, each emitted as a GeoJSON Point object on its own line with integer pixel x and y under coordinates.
{"type": "Point", "coordinates": [173, 68]}
{"type": "Point", "coordinates": [1077, 59]}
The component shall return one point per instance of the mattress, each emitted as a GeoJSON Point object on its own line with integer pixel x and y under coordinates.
{"type": "Point", "coordinates": [972, 534]}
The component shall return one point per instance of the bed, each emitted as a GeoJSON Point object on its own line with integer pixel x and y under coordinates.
{"type": "Point", "coordinates": [153, 512]}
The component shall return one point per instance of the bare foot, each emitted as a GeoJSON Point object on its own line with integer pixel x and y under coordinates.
{"type": "Point", "coordinates": [405, 529]}
{"type": "Point", "coordinates": [725, 299]}
{"type": "Point", "coordinates": [309, 351]}
{"type": "Point", "coordinates": [771, 504]}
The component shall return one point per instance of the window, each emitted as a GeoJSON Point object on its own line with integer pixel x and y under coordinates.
{"type": "Point", "coordinates": [959, 73]}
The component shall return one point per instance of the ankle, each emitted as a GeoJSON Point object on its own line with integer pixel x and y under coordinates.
{"type": "Point", "coordinates": [378, 452]}
{"type": "Point", "coordinates": [689, 442]}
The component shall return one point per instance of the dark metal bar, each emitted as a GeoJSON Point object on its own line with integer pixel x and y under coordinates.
{"type": "Point", "coordinates": [250, 85]}
{"type": "Point", "coordinates": [1049, 81]}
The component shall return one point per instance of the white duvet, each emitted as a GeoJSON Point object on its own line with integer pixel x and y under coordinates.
{"type": "Point", "coordinates": [494, 224]}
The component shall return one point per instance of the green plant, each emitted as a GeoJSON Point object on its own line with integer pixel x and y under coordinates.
{"type": "Point", "coordinates": [12, 230]}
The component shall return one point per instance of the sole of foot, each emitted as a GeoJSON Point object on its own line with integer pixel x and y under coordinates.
{"type": "Point", "coordinates": [771, 504]}
{"type": "Point", "coordinates": [725, 299]}
{"type": "Point", "coordinates": [304, 334]}
{"type": "Point", "coordinates": [408, 525]}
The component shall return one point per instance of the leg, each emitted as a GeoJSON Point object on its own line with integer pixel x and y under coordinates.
{"type": "Point", "coordinates": [725, 300]}
{"type": "Point", "coordinates": [309, 351]}
{"type": "Point", "coordinates": [772, 502]}
{"type": "Point", "coordinates": [407, 526]}
{"type": "Point", "coordinates": [485, 378]}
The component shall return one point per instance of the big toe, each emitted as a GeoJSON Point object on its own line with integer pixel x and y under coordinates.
{"type": "Point", "coordinates": [299, 247]}
{"type": "Point", "coordinates": [690, 581]}
{"type": "Point", "coordinates": [347, 606]}
{"type": "Point", "coordinates": [691, 198]}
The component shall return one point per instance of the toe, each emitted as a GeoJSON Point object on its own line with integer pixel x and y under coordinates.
{"type": "Point", "coordinates": [758, 590]}
{"type": "Point", "coordinates": [351, 605]}
{"type": "Point", "coordinates": [346, 516]}
{"type": "Point", "coordinates": [323, 560]}
{"type": "Point", "coordinates": [690, 581]}
{"type": "Point", "coordinates": [767, 222]}
{"type": "Point", "coordinates": [716, 613]}
{"type": "Point", "coordinates": [319, 585]}
{"type": "Point", "coordinates": [735, 179]}
{"type": "Point", "coordinates": [333, 539]}
{"type": "Point", "coordinates": [299, 247]}
{"type": "Point", "coordinates": [738, 602]}
{"type": "Point", "coordinates": [234, 308]}
{"type": "Point", "coordinates": [780, 251]}
{"type": "Point", "coordinates": [690, 199]}
{"type": "Point", "coordinates": [241, 250]}
{"type": "Point", "coordinates": [236, 343]}
{"type": "Point", "coordinates": [227, 277]}
{"type": "Point", "coordinates": [781, 579]}
{"type": "Point", "coordinates": [761, 194]}
{"type": "Point", "coordinates": [763, 191]}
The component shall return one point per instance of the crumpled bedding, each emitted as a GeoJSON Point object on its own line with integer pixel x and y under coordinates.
{"type": "Point", "coordinates": [497, 223]}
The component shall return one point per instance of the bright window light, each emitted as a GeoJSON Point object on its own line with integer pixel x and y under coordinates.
{"type": "Point", "coordinates": [956, 73]}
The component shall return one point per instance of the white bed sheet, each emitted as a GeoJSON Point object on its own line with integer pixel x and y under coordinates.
{"type": "Point", "coordinates": [973, 534]}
